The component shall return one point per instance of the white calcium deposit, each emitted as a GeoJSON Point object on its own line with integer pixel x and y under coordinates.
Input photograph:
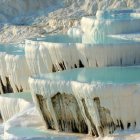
{"type": "Point", "coordinates": [96, 33]}
{"type": "Point", "coordinates": [11, 104]}
{"type": "Point", "coordinates": [34, 18]}
{"type": "Point", "coordinates": [110, 22]}
{"type": "Point", "coordinates": [116, 88]}
{"type": "Point", "coordinates": [90, 45]}
{"type": "Point", "coordinates": [13, 66]}
{"type": "Point", "coordinates": [43, 55]}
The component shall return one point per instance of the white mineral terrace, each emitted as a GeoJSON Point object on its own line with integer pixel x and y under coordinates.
{"type": "Point", "coordinates": [87, 81]}
{"type": "Point", "coordinates": [60, 52]}
{"type": "Point", "coordinates": [11, 104]}
{"type": "Point", "coordinates": [56, 53]}
{"type": "Point", "coordinates": [87, 100]}
{"type": "Point", "coordinates": [14, 71]}
{"type": "Point", "coordinates": [109, 22]}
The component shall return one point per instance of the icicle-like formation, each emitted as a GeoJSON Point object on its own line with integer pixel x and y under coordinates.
{"type": "Point", "coordinates": [75, 32]}
{"type": "Point", "coordinates": [43, 57]}
{"type": "Point", "coordinates": [3, 72]}
{"type": "Point", "coordinates": [96, 29]}
{"type": "Point", "coordinates": [33, 58]}
{"type": "Point", "coordinates": [11, 104]}
{"type": "Point", "coordinates": [105, 99]}
{"type": "Point", "coordinates": [14, 70]}
{"type": "Point", "coordinates": [18, 72]}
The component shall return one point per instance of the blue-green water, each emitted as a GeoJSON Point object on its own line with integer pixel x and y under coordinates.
{"type": "Point", "coordinates": [11, 49]}
{"type": "Point", "coordinates": [118, 14]}
{"type": "Point", "coordinates": [60, 38]}
{"type": "Point", "coordinates": [67, 39]}
{"type": "Point", "coordinates": [104, 75]}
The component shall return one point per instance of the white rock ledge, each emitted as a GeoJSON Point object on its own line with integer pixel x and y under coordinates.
{"type": "Point", "coordinates": [110, 22]}
{"type": "Point", "coordinates": [49, 55]}
{"type": "Point", "coordinates": [14, 71]}
{"type": "Point", "coordinates": [11, 104]}
{"type": "Point", "coordinates": [95, 101]}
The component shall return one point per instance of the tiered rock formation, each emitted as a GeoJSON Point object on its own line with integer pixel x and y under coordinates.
{"type": "Point", "coordinates": [88, 96]}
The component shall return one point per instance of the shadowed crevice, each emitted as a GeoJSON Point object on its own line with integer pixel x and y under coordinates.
{"type": "Point", "coordinates": [94, 131]}
{"type": "Point", "coordinates": [6, 88]}
{"type": "Point", "coordinates": [68, 114]}
{"type": "Point", "coordinates": [45, 112]}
